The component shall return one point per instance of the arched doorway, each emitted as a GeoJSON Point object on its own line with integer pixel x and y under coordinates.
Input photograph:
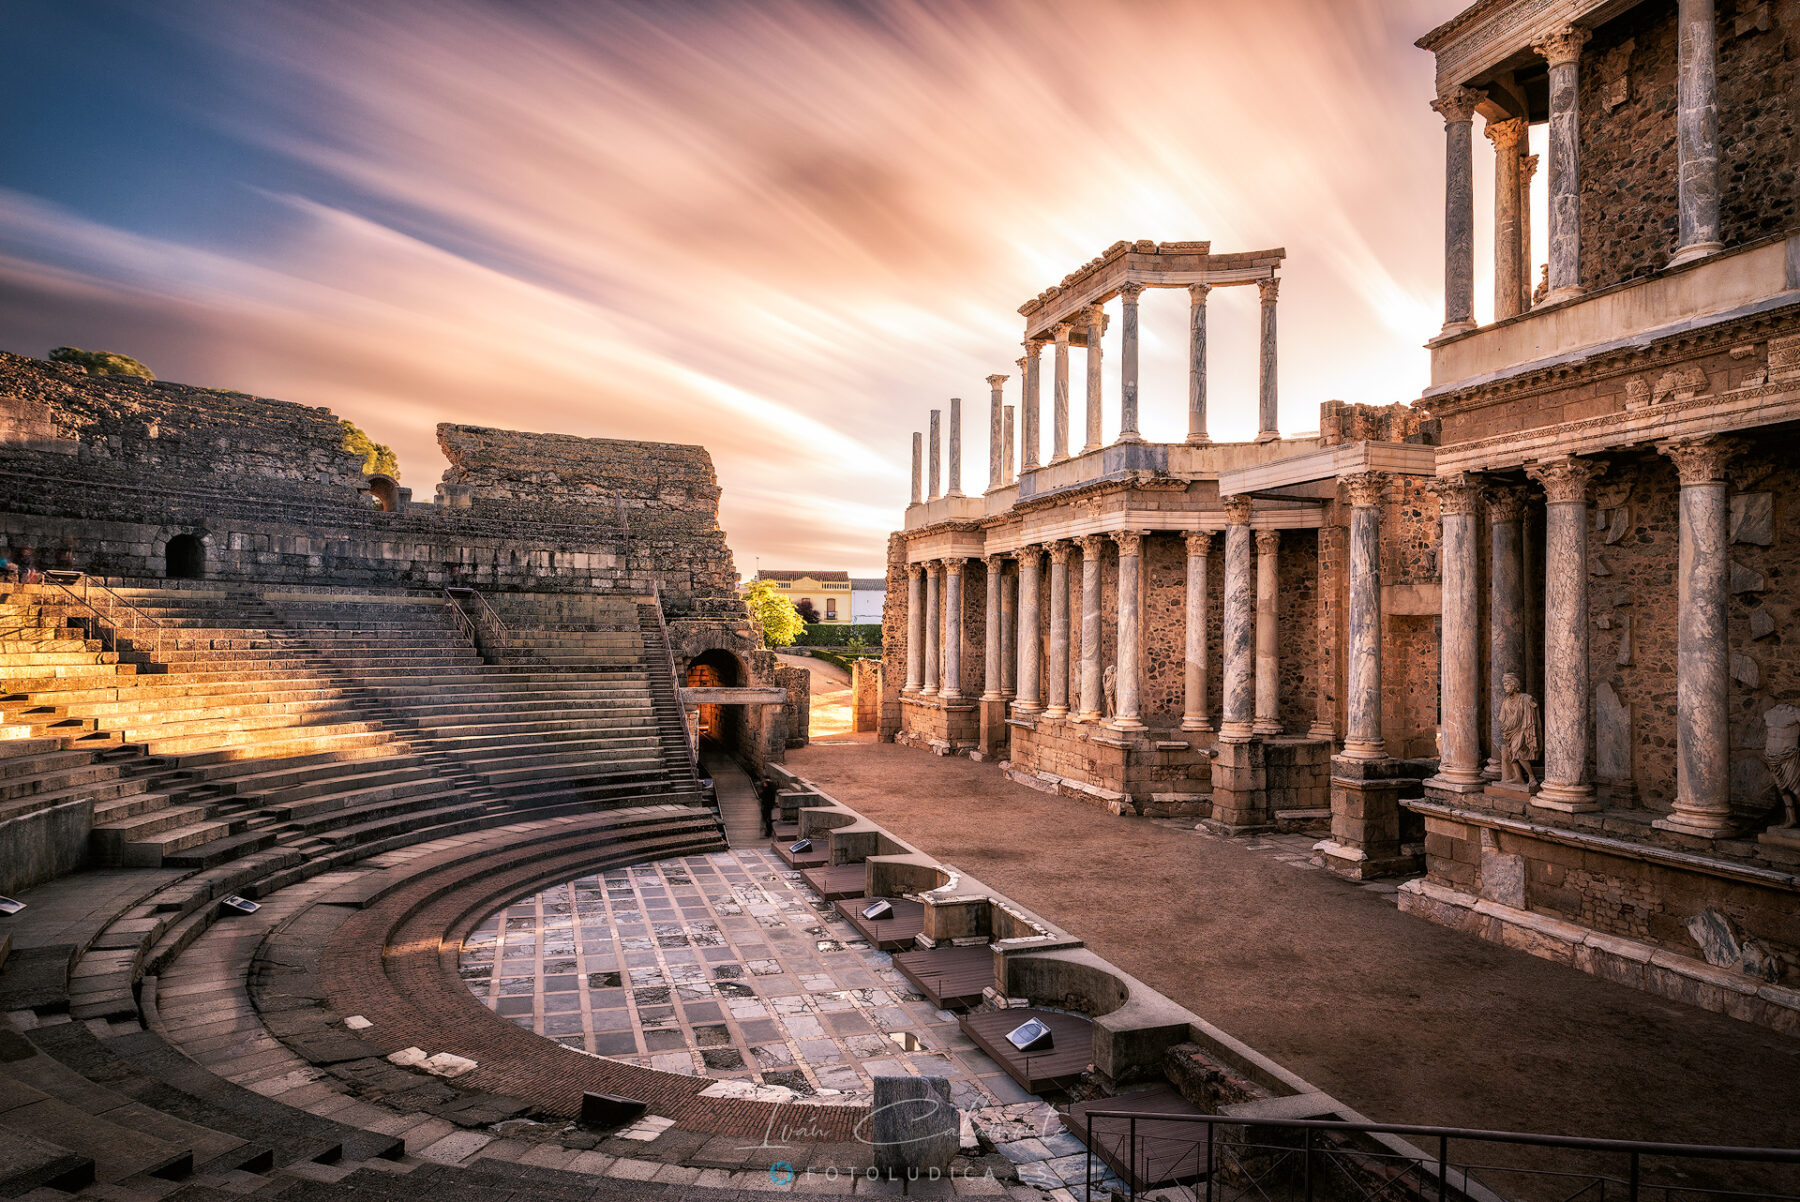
{"type": "Point", "coordinates": [184, 558]}
{"type": "Point", "coordinates": [724, 726]}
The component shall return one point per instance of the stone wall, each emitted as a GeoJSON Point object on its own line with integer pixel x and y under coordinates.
{"type": "Point", "coordinates": [865, 695]}
{"type": "Point", "coordinates": [1627, 121]}
{"type": "Point", "coordinates": [893, 639]}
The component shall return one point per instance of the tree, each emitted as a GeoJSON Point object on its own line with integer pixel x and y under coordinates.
{"type": "Point", "coordinates": [807, 610]}
{"type": "Point", "coordinates": [781, 622]}
{"type": "Point", "coordinates": [101, 363]}
{"type": "Point", "coordinates": [378, 457]}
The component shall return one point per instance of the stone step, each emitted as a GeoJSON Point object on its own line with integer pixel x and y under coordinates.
{"type": "Point", "coordinates": [327, 796]}
{"type": "Point", "coordinates": [67, 777]}
{"type": "Point", "coordinates": [196, 845]}
{"type": "Point", "coordinates": [211, 764]}
{"type": "Point", "coordinates": [275, 781]}
{"type": "Point", "coordinates": [116, 1151]}
{"type": "Point", "coordinates": [229, 727]}
{"type": "Point", "coordinates": [268, 742]}
{"type": "Point", "coordinates": [32, 757]}
{"type": "Point", "coordinates": [102, 793]}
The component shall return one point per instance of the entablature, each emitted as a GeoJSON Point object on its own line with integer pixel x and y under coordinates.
{"type": "Point", "coordinates": [1151, 264]}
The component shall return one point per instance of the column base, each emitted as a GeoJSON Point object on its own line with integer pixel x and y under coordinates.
{"type": "Point", "coordinates": [1056, 711]}
{"type": "Point", "coordinates": [1023, 708]}
{"type": "Point", "coordinates": [987, 697]}
{"type": "Point", "coordinates": [1237, 732]}
{"type": "Point", "coordinates": [1056, 459]}
{"type": "Point", "coordinates": [1199, 440]}
{"type": "Point", "coordinates": [1445, 784]}
{"type": "Point", "coordinates": [1363, 749]}
{"type": "Point", "coordinates": [1266, 726]}
{"type": "Point", "coordinates": [1094, 716]}
{"type": "Point", "coordinates": [1092, 447]}
{"type": "Point", "coordinates": [1322, 730]}
{"type": "Point", "coordinates": [928, 691]}
{"type": "Point", "coordinates": [1126, 725]}
{"type": "Point", "coordinates": [1128, 439]}
{"type": "Point", "coordinates": [1703, 826]}
{"type": "Point", "coordinates": [1568, 799]}
{"type": "Point", "coordinates": [1197, 724]}
{"type": "Point", "coordinates": [1557, 295]}
{"type": "Point", "coordinates": [1456, 327]}
{"type": "Point", "coordinates": [950, 696]}
{"type": "Point", "coordinates": [1268, 436]}
{"type": "Point", "coordinates": [1699, 250]}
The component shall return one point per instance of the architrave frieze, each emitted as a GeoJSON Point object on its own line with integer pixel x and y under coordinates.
{"type": "Point", "coordinates": [1152, 264]}
{"type": "Point", "coordinates": [1475, 44]}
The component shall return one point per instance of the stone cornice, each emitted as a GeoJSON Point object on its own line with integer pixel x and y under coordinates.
{"type": "Point", "coordinates": [1147, 263]}
{"type": "Point", "coordinates": [1491, 35]}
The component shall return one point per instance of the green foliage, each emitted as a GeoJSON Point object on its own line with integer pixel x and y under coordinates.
{"type": "Point", "coordinates": [838, 634]}
{"type": "Point", "coordinates": [780, 620]}
{"type": "Point", "coordinates": [101, 363]}
{"type": "Point", "coordinates": [378, 457]}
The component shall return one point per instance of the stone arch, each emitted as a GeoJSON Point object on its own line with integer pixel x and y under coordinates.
{"type": "Point", "coordinates": [386, 492]}
{"type": "Point", "coordinates": [727, 726]}
{"type": "Point", "coordinates": [184, 557]}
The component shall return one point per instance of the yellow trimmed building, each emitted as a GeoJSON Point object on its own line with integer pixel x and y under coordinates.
{"type": "Point", "coordinates": [829, 592]}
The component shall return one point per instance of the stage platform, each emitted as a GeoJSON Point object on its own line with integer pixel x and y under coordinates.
{"type": "Point", "coordinates": [1072, 1040]}
{"type": "Point", "coordinates": [1167, 1152]}
{"type": "Point", "coordinates": [811, 858]}
{"type": "Point", "coordinates": [952, 977]}
{"type": "Point", "coordinates": [836, 881]}
{"type": "Point", "coordinates": [888, 934]}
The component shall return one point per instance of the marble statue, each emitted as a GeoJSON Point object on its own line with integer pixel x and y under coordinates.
{"type": "Point", "coordinates": [1518, 733]}
{"type": "Point", "coordinates": [1781, 752]}
{"type": "Point", "coordinates": [1111, 687]}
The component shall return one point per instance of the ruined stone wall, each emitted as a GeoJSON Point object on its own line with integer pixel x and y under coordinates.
{"type": "Point", "coordinates": [1627, 119]}
{"type": "Point", "coordinates": [1411, 601]}
{"type": "Point", "coordinates": [893, 639]}
{"type": "Point", "coordinates": [1296, 627]}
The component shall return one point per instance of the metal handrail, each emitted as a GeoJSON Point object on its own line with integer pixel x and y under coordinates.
{"type": "Point", "coordinates": [66, 580]}
{"type": "Point", "coordinates": [462, 619]}
{"type": "Point", "coordinates": [662, 625]}
{"type": "Point", "coordinates": [1634, 1150]}
{"type": "Point", "coordinates": [488, 621]}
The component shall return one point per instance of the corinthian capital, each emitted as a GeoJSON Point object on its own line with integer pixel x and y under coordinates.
{"type": "Point", "coordinates": [1699, 460]}
{"type": "Point", "coordinates": [1130, 541]}
{"type": "Point", "coordinates": [1457, 104]}
{"type": "Point", "coordinates": [1458, 494]}
{"type": "Point", "coordinates": [1268, 542]}
{"type": "Point", "coordinates": [1061, 331]}
{"type": "Point", "coordinates": [1565, 479]}
{"type": "Point", "coordinates": [1268, 289]}
{"type": "Point", "coordinates": [954, 565]}
{"type": "Point", "coordinates": [1563, 46]}
{"type": "Point", "coordinates": [1197, 293]}
{"type": "Point", "coordinates": [1505, 135]}
{"type": "Point", "coordinates": [1528, 165]}
{"type": "Point", "coordinates": [1060, 552]}
{"type": "Point", "coordinates": [1505, 504]}
{"type": "Point", "coordinates": [995, 381]}
{"type": "Point", "coordinates": [1199, 543]}
{"type": "Point", "coordinates": [1129, 291]}
{"type": "Point", "coordinates": [1365, 488]}
{"type": "Point", "coordinates": [1237, 510]}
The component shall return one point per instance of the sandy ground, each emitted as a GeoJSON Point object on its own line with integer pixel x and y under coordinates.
{"type": "Point", "coordinates": [1404, 1020]}
{"type": "Point", "coordinates": [830, 694]}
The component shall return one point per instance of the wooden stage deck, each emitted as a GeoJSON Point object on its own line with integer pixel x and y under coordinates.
{"type": "Point", "coordinates": [952, 977]}
{"type": "Point", "coordinates": [812, 858]}
{"type": "Point", "coordinates": [1072, 1040]}
{"type": "Point", "coordinates": [835, 881]}
{"type": "Point", "coordinates": [1166, 1152]}
{"type": "Point", "coordinates": [887, 934]}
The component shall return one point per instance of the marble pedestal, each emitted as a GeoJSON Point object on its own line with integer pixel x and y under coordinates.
{"type": "Point", "coordinates": [1365, 838]}
{"type": "Point", "coordinates": [1240, 787]}
{"type": "Point", "coordinates": [991, 740]}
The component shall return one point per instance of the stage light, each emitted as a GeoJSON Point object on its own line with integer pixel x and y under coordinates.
{"type": "Point", "coordinates": [239, 905]}
{"type": "Point", "coordinates": [881, 909]}
{"type": "Point", "coordinates": [803, 845]}
{"type": "Point", "coordinates": [9, 907]}
{"type": "Point", "coordinates": [1032, 1036]}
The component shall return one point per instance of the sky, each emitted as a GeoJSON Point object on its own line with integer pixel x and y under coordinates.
{"type": "Point", "coordinates": [784, 230]}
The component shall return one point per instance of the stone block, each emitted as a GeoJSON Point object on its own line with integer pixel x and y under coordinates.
{"type": "Point", "coordinates": [914, 1125]}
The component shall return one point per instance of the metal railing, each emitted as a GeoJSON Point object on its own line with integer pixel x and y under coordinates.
{"type": "Point", "coordinates": [103, 619]}
{"type": "Point", "coordinates": [687, 731]}
{"type": "Point", "coordinates": [487, 629]}
{"type": "Point", "coordinates": [1222, 1158]}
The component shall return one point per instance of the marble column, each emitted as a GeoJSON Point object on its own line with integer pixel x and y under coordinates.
{"type": "Point", "coordinates": [1268, 637]}
{"type": "Point", "coordinates": [1528, 165]}
{"type": "Point", "coordinates": [1193, 698]}
{"type": "Point", "coordinates": [1562, 50]}
{"type": "Point", "coordinates": [1457, 107]}
{"type": "Point", "coordinates": [996, 433]}
{"type": "Point", "coordinates": [1009, 631]}
{"type": "Point", "coordinates": [1238, 700]}
{"type": "Point", "coordinates": [1058, 706]}
{"type": "Point", "coordinates": [936, 455]}
{"type": "Point", "coordinates": [1362, 729]}
{"type": "Point", "coordinates": [992, 642]}
{"type": "Point", "coordinates": [1507, 137]}
{"type": "Point", "coordinates": [1197, 364]}
{"type": "Point", "coordinates": [1030, 646]}
{"type": "Point", "coordinates": [1268, 416]}
{"type": "Point", "coordinates": [1008, 452]}
{"type": "Point", "coordinates": [1697, 131]}
{"type": "Point", "coordinates": [1459, 657]}
{"type": "Point", "coordinates": [1568, 706]}
{"type": "Point", "coordinates": [933, 627]}
{"type": "Point", "coordinates": [1028, 421]}
{"type": "Point", "coordinates": [1092, 695]}
{"type": "Point", "coordinates": [1702, 644]}
{"type": "Point", "coordinates": [1125, 713]}
{"type": "Point", "coordinates": [915, 627]}
{"type": "Point", "coordinates": [918, 470]}
{"type": "Point", "coordinates": [1128, 361]}
{"type": "Point", "coordinates": [951, 689]}
{"type": "Point", "coordinates": [955, 489]}
{"type": "Point", "coordinates": [1059, 430]}
{"type": "Point", "coordinates": [1506, 607]}
{"type": "Point", "coordinates": [1096, 366]}
{"type": "Point", "coordinates": [1331, 552]}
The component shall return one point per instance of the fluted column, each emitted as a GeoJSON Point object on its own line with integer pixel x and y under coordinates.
{"type": "Point", "coordinates": [1030, 648]}
{"type": "Point", "coordinates": [1267, 399]}
{"type": "Point", "coordinates": [1128, 361]}
{"type": "Point", "coordinates": [1562, 50]}
{"type": "Point", "coordinates": [936, 454]}
{"type": "Point", "coordinates": [1268, 638]}
{"type": "Point", "coordinates": [1362, 729]}
{"type": "Point", "coordinates": [1028, 421]}
{"type": "Point", "coordinates": [1703, 648]}
{"type": "Point", "coordinates": [1197, 363]}
{"type": "Point", "coordinates": [1009, 631]}
{"type": "Point", "coordinates": [996, 433]}
{"type": "Point", "coordinates": [1125, 715]}
{"type": "Point", "coordinates": [1059, 432]}
{"type": "Point", "coordinates": [915, 627]}
{"type": "Point", "coordinates": [1457, 107]}
{"type": "Point", "coordinates": [1238, 703]}
{"type": "Point", "coordinates": [1193, 702]}
{"type": "Point", "coordinates": [1568, 708]}
{"type": "Point", "coordinates": [1059, 631]}
{"type": "Point", "coordinates": [933, 618]}
{"type": "Point", "coordinates": [955, 489]}
{"type": "Point", "coordinates": [1096, 366]}
{"type": "Point", "coordinates": [992, 641]}
{"type": "Point", "coordinates": [1091, 668]}
{"type": "Point", "coordinates": [918, 467]}
{"type": "Point", "coordinates": [1506, 606]}
{"type": "Point", "coordinates": [1506, 137]}
{"type": "Point", "coordinates": [951, 689]}
{"type": "Point", "coordinates": [1459, 671]}
{"type": "Point", "coordinates": [1697, 130]}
